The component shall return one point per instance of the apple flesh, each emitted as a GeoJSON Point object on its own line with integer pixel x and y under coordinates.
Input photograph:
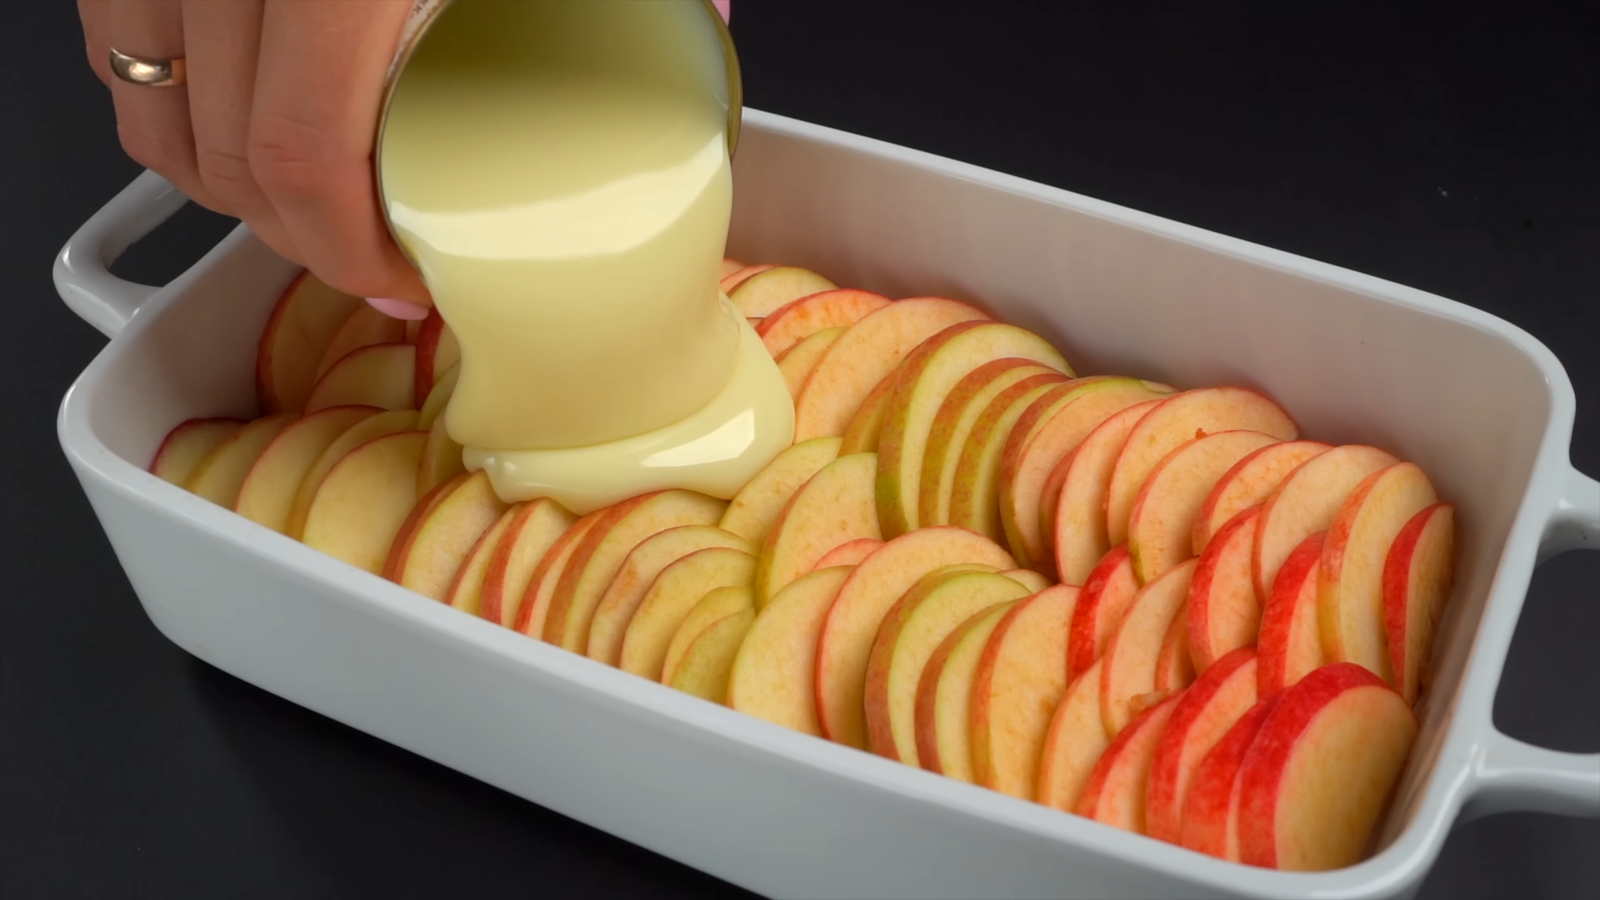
{"type": "Point", "coordinates": [303, 323]}
{"type": "Point", "coordinates": [1210, 819]}
{"type": "Point", "coordinates": [944, 696]}
{"type": "Point", "coordinates": [708, 661]}
{"type": "Point", "coordinates": [975, 495]}
{"type": "Point", "coordinates": [266, 496]}
{"type": "Point", "coordinates": [791, 323]}
{"type": "Point", "coordinates": [533, 611]}
{"type": "Point", "coordinates": [466, 588]}
{"type": "Point", "coordinates": [1115, 793]}
{"type": "Point", "coordinates": [669, 601]}
{"type": "Point", "coordinates": [364, 499]}
{"type": "Point", "coordinates": [1174, 664]}
{"type": "Point", "coordinates": [1224, 611]}
{"type": "Point", "coordinates": [1204, 713]}
{"type": "Point", "coordinates": [849, 553]}
{"type": "Point", "coordinates": [639, 570]}
{"type": "Point", "coordinates": [797, 363]}
{"type": "Point", "coordinates": [437, 353]}
{"type": "Point", "coordinates": [1079, 529]}
{"type": "Point", "coordinates": [866, 423]}
{"type": "Point", "coordinates": [441, 458]}
{"type": "Point", "coordinates": [1107, 593]}
{"type": "Point", "coordinates": [716, 605]}
{"type": "Point", "coordinates": [189, 443]}
{"type": "Point", "coordinates": [365, 327]}
{"type": "Point", "coordinates": [772, 674]}
{"type": "Point", "coordinates": [1290, 647]}
{"type": "Point", "coordinates": [756, 507]}
{"type": "Point", "coordinates": [368, 429]}
{"type": "Point", "coordinates": [531, 531]}
{"type": "Point", "coordinates": [438, 398]}
{"type": "Point", "coordinates": [836, 505]}
{"type": "Point", "coordinates": [1306, 502]}
{"type": "Point", "coordinates": [378, 375]}
{"type": "Point", "coordinates": [733, 279]}
{"type": "Point", "coordinates": [769, 290]}
{"type": "Point", "coordinates": [1417, 576]}
{"type": "Point", "coordinates": [1247, 484]}
{"type": "Point", "coordinates": [427, 560]}
{"type": "Point", "coordinates": [1129, 672]}
{"type": "Point", "coordinates": [728, 267]}
{"type": "Point", "coordinates": [1074, 744]}
{"type": "Point", "coordinates": [221, 474]}
{"type": "Point", "coordinates": [1020, 679]}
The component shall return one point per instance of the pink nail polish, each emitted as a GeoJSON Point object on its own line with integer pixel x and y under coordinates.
{"type": "Point", "coordinates": [398, 309]}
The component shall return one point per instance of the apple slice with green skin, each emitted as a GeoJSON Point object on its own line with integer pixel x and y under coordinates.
{"type": "Point", "coordinates": [870, 350]}
{"type": "Point", "coordinates": [1049, 430]}
{"type": "Point", "coordinates": [1107, 593]}
{"type": "Point", "coordinates": [267, 495]}
{"type": "Point", "coordinates": [1319, 774]}
{"type": "Point", "coordinates": [767, 291]}
{"type": "Point", "coordinates": [1350, 610]}
{"type": "Point", "coordinates": [911, 631]}
{"type": "Point", "coordinates": [1174, 664]}
{"type": "Point", "coordinates": [1224, 610]}
{"type": "Point", "coordinates": [534, 609]}
{"type": "Point", "coordinates": [1079, 531]}
{"type": "Point", "coordinates": [866, 423]}
{"type": "Point", "coordinates": [845, 645]}
{"type": "Point", "coordinates": [1416, 586]}
{"type": "Point", "coordinates": [532, 529]}
{"type": "Point", "coordinates": [927, 376]}
{"type": "Point", "coordinates": [733, 279]}
{"type": "Point", "coordinates": [303, 323]}
{"type": "Point", "coordinates": [189, 443]}
{"type": "Point", "coordinates": [368, 429]}
{"type": "Point", "coordinates": [599, 556]}
{"type": "Point", "coordinates": [670, 599]}
{"type": "Point", "coordinates": [365, 327]}
{"type": "Point", "coordinates": [1074, 744]}
{"type": "Point", "coordinates": [437, 352]}
{"type": "Point", "coordinates": [954, 421]}
{"type": "Point", "coordinates": [975, 494]}
{"type": "Point", "coordinates": [797, 363]}
{"type": "Point", "coordinates": [1028, 578]}
{"type": "Point", "coordinates": [834, 506]}
{"type": "Point", "coordinates": [944, 696]}
{"type": "Point", "coordinates": [791, 323]}
{"type": "Point", "coordinates": [1210, 819]}
{"type": "Point", "coordinates": [1161, 524]}
{"type": "Point", "coordinates": [708, 662]}
{"type": "Point", "coordinates": [466, 589]}
{"type": "Point", "coordinates": [364, 499]}
{"type": "Point", "coordinates": [441, 458]}
{"type": "Point", "coordinates": [1130, 658]}
{"type": "Point", "coordinates": [1115, 793]}
{"type": "Point", "coordinates": [643, 564]}
{"type": "Point", "coordinates": [1203, 714]}
{"type": "Point", "coordinates": [729, 266]}
{"type": "Point", "coordinates": [1249, 483]}
{"type": "Point", "coordinates": [438, 398]}
{"type": "Point", "coordinates": [752, 512]}
{"type": "Point", "coordinates": [1305, 503]}
{"type": "Point", "coordinates": [772, 673]}
{"type": "Point", "coordinates": [1181, 418]}
{"type": "Point", "coordinates": [849, 553]}
{"type": "Point", "coordinates": [221, 475]}
{"type": "Point", "coordinates": [1020, 680]}
{"type": "Point", "coordinates": [378, 375]}
{"type": "Point", "coordinates": [1290, 646]}
{"type": "Point", "coordinates": [715, 606]}
{"type": "Point", "coordinates": [433, 551]}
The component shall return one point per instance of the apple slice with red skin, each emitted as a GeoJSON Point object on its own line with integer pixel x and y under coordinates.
{"type": "Point", "coordinates": [532, 530]}
{"type": "Point", "coordinates": [716, 605]}
{"type": "Point", "coordinates": [1115, 792]}
{"type": "Point", "coordinates": [866, 423]}
{"type": "Point", "coordinates": [975, 491]}
{"type": "Point", "coordinates": [365, 327]}
{"type": "Point", "coordinates": [437, 352]}
{"type": "Point", "coordinates": [640, 570]}
{"type": "Point", "coordinates": [791, 323]}
{"type": "Point", "coordinates": [1107, 593]}
{"type": "Point", "coordinates": [364, 499]}
{"type": "Point", "coordinates": [944, 696]}
{"type": "Point", "coordinates": [849, 553]}
{"type": "Point", "coordinates": [707, 663]}
{"type": "Point", "coordinates": [733, 279]}
{"type": "Point", "coordinates": [1205, 712]}
{"type": "Point", "coordinates": [533, 611]}
{"type": "Point", "coordinates": [1174, 664]}
{"type": "Point", "coordinates": [1305, 503]}
{"type": "Point", "coordinates": [1416, 586]}
{"type": "Point", "coordinates": [301, 326]}
{"type": "Point", "coordinates": [466, 589]}
{"type": "Point", "coordinates": [769, 290]}
{"type": "Point", "coordinates": [670, 599]}
{"type": "Point", "coordinates": [1319, 775]}
{"type": "Point", "coordinates": [1350, 610]}
{"type": "Point", "coordinates": [441, 460]}
{"type": "Point", "coordinates": [833, 506]}
{"type": "Point", "coordinates": [368, 429]}
{"type": "Point", "coordinates": [189, 443]}
{"type": "Point", "coordinates": [757, 506]}
{"type": "Point", "coordinates": [221, 474]}
{"type": "Point", "coordinates": [1290, 646]}
{"type": "Point", "coordinates": [1021, 677]}
{"type": "Point", "coordinates": [267, 495]}
{"type": "Point", "coordinates": [1247, 484]}
{"type": "Point", "coordinates": [433, 408]}
{"type": "Point", "coordinates": [957, 415]}
{"type": "Point", "coordinates": [1074, 744]}
{"type": "Point", "coordinates": [377, 375]}
{"type": "Point", "coordinates": [1224, 611]}
{"type": "Point", "coordinates": [1079, 529]}
{"type": "Point", "coordinates": [1210, 819]}
{"type": "Point", "coordinates": [772, 675]}
{"type": "Point", "coordinates": [797, 363]}
{"type": "Point", "coordinates": [1130, 658]}
{"type": "Point", "coordinates": [427, 560]}
{"type": "Point", "coordinates": [729, 266]}
{"type": "Point", "coordinates": [1179, 419]}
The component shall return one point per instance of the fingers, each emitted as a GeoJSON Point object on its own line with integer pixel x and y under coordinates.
{"type": "Point", "coordinates": [152, 122]}
{"type": "Point", "coordinates": [317, 92]}
{"type": "Point", "coordinates": [95, 16]}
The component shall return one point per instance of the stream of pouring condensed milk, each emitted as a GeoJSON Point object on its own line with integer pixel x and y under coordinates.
{"type": "Point", "coordinates": [559, 173]}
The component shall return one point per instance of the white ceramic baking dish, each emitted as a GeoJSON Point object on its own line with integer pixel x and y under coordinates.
{"type": "Point", "coordinates": [1485, 408]}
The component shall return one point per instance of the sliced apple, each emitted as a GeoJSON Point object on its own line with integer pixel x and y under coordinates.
{"type": "Point", "coordinates": [1319, 775]}
{"type": "Point", "coordinates": [773, 673]}
{"type": "Point", "coordinates": [365, 327]}
{"type": "Point", "coordinates": [1305, 503]}
{"type": "Point", "coordinates": [466, 589]}
{"type": "Point", "coordinates": [441, 458]}
{"type": "Point", "coordinates": [1416, 586]}
{"type": "Point", "coordinates": [1079, 531]}
{"type": "Point", "coordinates": [791, 323]}
{"type": "Point", "coordinates": [1028, 578]}
{"type": "Point", "coordinates": [911, 631]}
{"type": "Point", "coordinates": [437, 352]}
{"type": "Point", "coordinates": [189, 443]}
{"type": "Point", "coordinates": [529, 534]}
{"type": "Point", "coordinates": [1115, 792]}
{"type": "Point", "coordinates": [733, 279]}
{"type": "Point", "coordinates": [639, 570]}
{"type": "Point", "coordinates": [834, 506]}
{"type": "Point", "coordinates": [1182, 418]}
{"type": "Point", "coordinates": [1203, 714]}
{"type": "Point", "coordinates": [1224, 610]}
{"type": "Point", "coordinates": [1350, 610]}
{"type": "Point", "coordinates": [1161, 523]}
{"type": "Point", "coordinates": [364, 499]}
{"type": "Point", "coordinates": [975, 495]}
{"type": "Point", "coordinates": [1210, 819]}
{"type": "Point", "coordinates": [866, 423]}
{"type": "Point", "coordinates": [303, 323]}
{"type": "Point", "coordinates": [534, 609]}
{"type": "Point", "coordinates": [438, 398]}
{"type": "Point", "coordinates": [927, 376]}
{"type": "Point", "coordinates": [378, 375]}
{"type": "Point", "coordinates": [599, 556]}
{"type": "Point", "coordinates": [758, 504]}
{"type": "Point", "coordinates": [1174, 664]}
{"type": "Point", "coordinates": [849, 553]}
{"type": "Point", "coordinates": [868, 351]}
{"type": "Point", "coordinates": [1020, 680]}
{"type": "Point", "coordinates": [1249, 483]}
{"type": "Point", "coordinates": [729, 266]}
{"type": "Point", "coordinates": [669, 600]}
{"type": "Point", "coordinates": [796, 363]}
{"type": "Point", "coordinates": [267, 495]}
{"type": "Point", "coordinates": [1129, 672]}
{"type": "Point", "coordinates": [767, 291]}
{"type": "Point", "coordinates": [1074, 744]}
{"type": "Point", "coordinates": [1107, 593]}
{"type": "Point", "coordinates": [846, 642]}
{"type": "Point", "coordinates": [944, 695]}
{"type": "Point", "coordinates": [368, 429]}
{"type": "Point", "coordinates": [221, 474]}
{"type": "Point", "coordinates": [953, 422]}
{"type": "Point", "coordinates": [1290, 646]}
{"type": "Point", "coordinates": [715, 606]}
{"type": "Point", "coordinates": [708, 661]}
{"type": "Point", "coordinates": [428, 559]}
{"type": "Point", "coordinates": [1049, 498]}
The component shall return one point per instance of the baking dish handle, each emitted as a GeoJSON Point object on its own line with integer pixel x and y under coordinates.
{"type": "Point", "coordinates": [1513, 775]}
{"type": "Point", "coordinates": [82, 270]}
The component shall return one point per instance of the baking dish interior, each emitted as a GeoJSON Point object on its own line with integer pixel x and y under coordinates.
{"type": "Point", "coordinates": [1352, 359]}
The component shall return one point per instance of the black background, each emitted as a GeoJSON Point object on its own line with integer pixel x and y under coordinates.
{"type": "Point", "coordinates": [1451, 151]}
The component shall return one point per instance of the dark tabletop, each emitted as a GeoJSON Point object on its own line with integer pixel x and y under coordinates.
{"type": "Point", "coordinates": [1455, 154]}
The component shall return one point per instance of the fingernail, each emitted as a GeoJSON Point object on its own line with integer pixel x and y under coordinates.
{"type": "Point", "coordinates": [398, 309]}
